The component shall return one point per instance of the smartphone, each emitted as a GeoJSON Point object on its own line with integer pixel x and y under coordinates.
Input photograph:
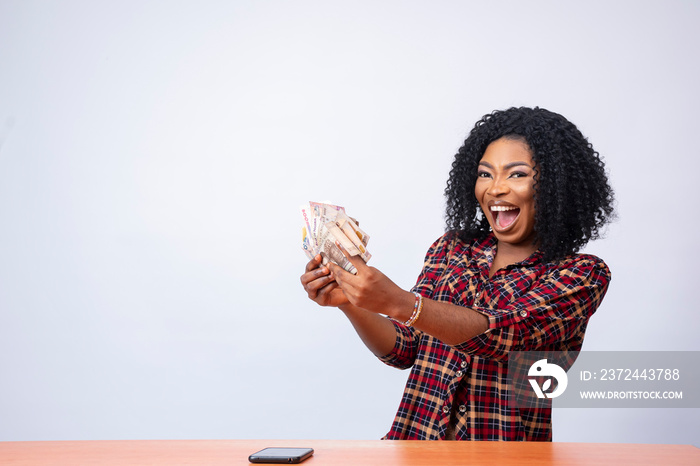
{"type": "Point", "coordinates": [281, 455]}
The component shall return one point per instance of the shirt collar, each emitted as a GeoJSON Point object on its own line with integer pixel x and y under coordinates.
{"type": "Point", "coordinates": [484, 251]}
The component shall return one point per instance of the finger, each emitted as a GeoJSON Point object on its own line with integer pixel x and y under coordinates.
{"type": "Point", "coordinates": [338, 273]}
{"type": "Point", "coordinates": [327, 288]}
{"type": "Point", "coordinates": [343, 278]}
{"type": "Point", "coordinates": [314, 274]}
{"type": "Point", "coordinates": [313, 263]}
{"type": "Point", "coordinates": [313, 287]}
{"type": "Point", "coordinates": [357, 261]}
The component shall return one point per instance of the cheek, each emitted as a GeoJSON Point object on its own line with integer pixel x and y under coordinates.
{"type": "Point", "coordinates": [527, 202]}
{"type": "Point", "coordinates": [479, 191]}
{"type": "Point", "coordinates": [527, 195]}
{"type": "Point", "coordinates": [531, 213]}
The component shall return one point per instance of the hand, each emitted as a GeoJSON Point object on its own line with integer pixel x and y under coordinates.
{"type": "Point", "coordinates": [320, 285]}
{"type": "Point", "coordinates": [370, 289]}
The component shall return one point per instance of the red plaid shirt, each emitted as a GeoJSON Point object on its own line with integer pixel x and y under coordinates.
{"type": "Point", "coordinates": [530, 305]}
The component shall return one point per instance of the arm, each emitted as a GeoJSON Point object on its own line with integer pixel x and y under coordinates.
{"type": "Point", "coordinates": [555, 310]}
{"type": "Point", "coordinates": [375, 331]}
{"type": "Point", "coordinates": [391, 341]}
{"type": "Point", "coordinates": [551, 315]}
{"type": "Point", "coordinates": [373, 291]}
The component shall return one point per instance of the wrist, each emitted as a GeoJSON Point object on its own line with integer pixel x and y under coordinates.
{"type": "Point", "coordinates": [404, 307]}
{"type": "Point", "coordinates": [350, 309]}
{"type": "Point", "coordinates": [417, 309]}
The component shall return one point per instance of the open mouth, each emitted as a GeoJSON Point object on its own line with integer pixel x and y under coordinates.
{"type": "Point", "coordinates": [504, 216]}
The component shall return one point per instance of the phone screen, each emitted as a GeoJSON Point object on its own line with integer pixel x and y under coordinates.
{"type": "Point", "coordinates": [281, 455]}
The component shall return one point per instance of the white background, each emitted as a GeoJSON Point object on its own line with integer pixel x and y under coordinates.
{"type": "Point", "coordinates": [154, 155]}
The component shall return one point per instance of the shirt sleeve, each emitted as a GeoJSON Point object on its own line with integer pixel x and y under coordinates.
{"type": "Point", "coordinates": [406, 347]}
{"type": "Point", "coordinates": [552, 313]}
{"type": "Point", "coordinates": [436, 261]}
{"type": "Point", "coordinates": [405, 350]}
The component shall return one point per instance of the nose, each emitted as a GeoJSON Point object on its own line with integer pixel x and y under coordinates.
{"type": "Point", "coordinates": [498, 187]}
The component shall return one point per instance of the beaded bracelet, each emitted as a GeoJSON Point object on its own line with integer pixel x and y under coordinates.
{"type": "Point", "coordinates": [417, 307]}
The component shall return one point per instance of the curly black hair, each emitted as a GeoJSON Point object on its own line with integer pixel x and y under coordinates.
{"type": "Point", "coordinates": [573, 199]}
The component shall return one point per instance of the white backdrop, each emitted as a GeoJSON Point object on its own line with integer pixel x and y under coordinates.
{"type": "Point", "coordinates": [153, 156]}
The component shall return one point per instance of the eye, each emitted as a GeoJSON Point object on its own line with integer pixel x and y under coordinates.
{"type": "Point", "coordinates": [518, 175]}
{"type": "Point", "coordinates": [483, 174]}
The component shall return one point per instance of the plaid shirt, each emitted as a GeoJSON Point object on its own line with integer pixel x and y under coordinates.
{"type": "Point", "coordinates": [530, 306]}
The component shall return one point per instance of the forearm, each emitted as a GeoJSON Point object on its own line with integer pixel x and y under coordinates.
{"type": "Point", "coordinates": [376, 331]}
{"type": "Point", "coordinates": [370, 291]}
{"type": "Point", "coordinates": [447, 322]}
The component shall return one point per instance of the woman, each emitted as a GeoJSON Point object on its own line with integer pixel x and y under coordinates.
{"type": "Point", "coordinates": [525, 193]}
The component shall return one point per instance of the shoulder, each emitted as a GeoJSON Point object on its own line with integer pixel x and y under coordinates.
{"type": "Point", "coordinates": [453, 243]}
{"type": "Point", "coordinates": [586, 267]}
{"type": "Point", "coordinates": [443, 244]}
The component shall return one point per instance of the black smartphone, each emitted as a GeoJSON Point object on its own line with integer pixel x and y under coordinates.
{"type": "Point", "coordinates": [281, 455]}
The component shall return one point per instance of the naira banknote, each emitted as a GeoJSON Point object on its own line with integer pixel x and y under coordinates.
{"type": "Point", "coordinates": [324, 227]}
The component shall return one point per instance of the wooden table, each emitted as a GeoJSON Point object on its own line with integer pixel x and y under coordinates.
{"type": "Point", "coordinates": [343, 452]}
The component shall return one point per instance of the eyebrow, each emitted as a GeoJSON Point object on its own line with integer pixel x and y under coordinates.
{"type": "Point", "coordinates": [508, 166]}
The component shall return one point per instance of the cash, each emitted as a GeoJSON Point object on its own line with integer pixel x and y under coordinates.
{"type": "Point", "coordinates": [326, 224]}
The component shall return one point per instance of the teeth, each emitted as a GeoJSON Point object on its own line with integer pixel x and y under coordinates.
{"type": "Point", "coordinates": [501, 208]}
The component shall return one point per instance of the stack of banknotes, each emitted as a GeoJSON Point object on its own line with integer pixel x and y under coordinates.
{"type": "Point", "coordinates": [326, 224]}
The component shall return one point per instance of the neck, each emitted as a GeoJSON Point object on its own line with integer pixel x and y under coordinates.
{"type": "Point", "coordinates": [513, 253]}
{"type": "Point", "coordinates": [508, 253]}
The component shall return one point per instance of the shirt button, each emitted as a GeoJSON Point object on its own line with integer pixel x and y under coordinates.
{"type": "Point", "coordinates": [463, 364]}
{"type": "Point", "coordinates": [523, 313]}
{"type": "Point", "coordinates": [478, 294]}
{"type": "Point", "coordinates": [459, 374]}
{"type": "Point", "coordinates": [462, 409]}
{"type": "Point", "coordinates": [446, 409]}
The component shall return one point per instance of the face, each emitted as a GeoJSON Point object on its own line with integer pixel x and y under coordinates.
{"type": "Point", "coordinates": [505, 190]}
